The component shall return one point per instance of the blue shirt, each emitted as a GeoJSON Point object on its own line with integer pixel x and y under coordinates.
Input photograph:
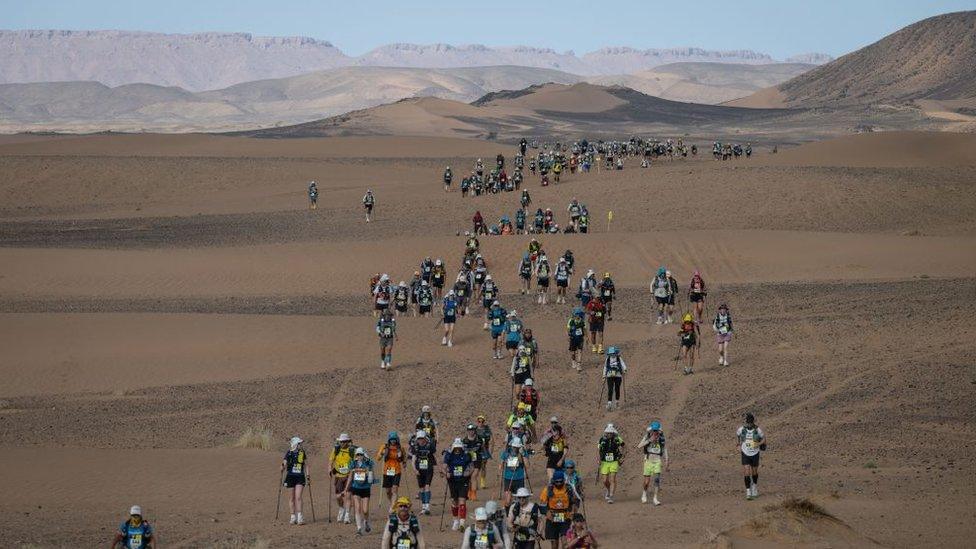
{"type": "Point", "coordinates": [359, 471]}
{"type": "Point", "coordinates": [450, 309]}
{"type": "Point", "coordinates": [510, 473]}
{"type": "Point", "coordinates": [457, 464]}
{"type": "Point", "coordinates": [135, 537]}
{"type": "Point", "coordinates": [496, 317]}
{"type": "Point", "coordinates": [513, 330]}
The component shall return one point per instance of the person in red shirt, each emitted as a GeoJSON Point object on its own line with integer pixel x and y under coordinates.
{"type": "Point", "coordinates": [579, 535]}
{"type": "Point", "coordinates": [597, 312]}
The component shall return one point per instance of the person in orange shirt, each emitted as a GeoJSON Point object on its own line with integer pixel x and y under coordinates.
{"type": "Point", "coordinates": [559, 503]}
{"type": "Point", "coordinates": [391, 458]}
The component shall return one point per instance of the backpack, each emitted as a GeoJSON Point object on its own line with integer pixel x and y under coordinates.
{"type": "Point", "coordinates": [473, 536]}
{"type": "Point", "coordinates": [614, 365]}
{"type": "Point", "coordinates": [543, 270]}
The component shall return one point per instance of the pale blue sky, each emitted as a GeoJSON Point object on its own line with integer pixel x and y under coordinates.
{"type": "Point", "coordinates": [780, 28]}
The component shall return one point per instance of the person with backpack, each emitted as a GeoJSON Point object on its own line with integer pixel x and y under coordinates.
{"type": "Point", "coordinates": [425, 422]}
{"type": "Point", "coordinates": [530, 397]}
{"type": "Point", "coordinates": [562, 279]}
{"type": "Point", "coordinates": [483, 430]}
{"type": "Point", "coordinates": [723, 330]}
{"type": "Point", "coordinates": [661, 290]}
{"type": "Point", "coordinates": [587, 288]}
{"type": "Point", "coordinates": [574, 213]}
{"type": "Point", "coordinates": [614, 370]}
{"type": "Point", "coordinates": [519, 220]}
{"type": "Point", "coordinates": [674, 292]}
{"type": "Point", "coordinates": [697, 292]}
{"type": "Point", "coordinates": [482, 534]}
{"type": "Point", "coordinates": [403, 528]}
{"type": "Point", "coordinates": [382, 295]}
{"type": "Point", "coordinates": [462, 292]}
{"type": "Point", "coordinates": [513, 332]}
{"type": "Point", "coordinates": [607, 292]}
{"type": "Point", "coordinates": [576, 329]}
{"type": "Point", "coordinates": [448, 178]}
{"type": "Point", "coordinates": [525, 273]}
{"type": "Point", "coordinates": [313, 195]}
{"type": "Point", "coordinates": [542, 272]}
{"type": "Point", "coordinates": [580, 536]}
{"type": "Point", "coordinates": [423, 455]}
{"type": "Point", "coordinates": [597, 312]}
{"type": "Point", "coordinates": [438, 276]}
{"type": "Point", "coordinates": [538, 221]}
{"type": "Point", "coordinates": [340, 461]}
{"type": "Point", "coordinates": [368, 203]}
{"type": "Point", "coordinates": [401, 298]}
{"type": "Point", "coordinates": [135, 532]}
{"type": "Point", "coordinates": [559, 503]}
{"type": "Point", "coordinates": [512, 463]}
{"type": "Point", "coordinates": [425, 299]}
{"type": "Point", "coordinates": [358, 486]}
{"type": "Point", "coordinates": [611, 454]}
{"type": "Point", "coordinates": [295, 470]}
{"type": "Point", "coordinates": [523, 520]}
{"type": "Point", "coordinates": [498, 517]}
{"type": "Point", "coordinates": [474, 446]}
{"type": "Point", "coordinates": [521, 368]}
{"type": "Point", "coordinates": [489, 293]}
{"type": "Point", "coordinates": [573, 478]}
{"type": "Point", "coordinates": [386, 329]}
{"type": "Point", "coordinates": [457, 470]}
{"type": "Point", "coordinates": [450, 310]}
{"type": "Point", "coordinates": [689, 337]}
{"type": "Point", "coordinates": [655, 455]}
{"type": "Point", "coordinates": [583, 225]}
{"type": "Point", "coordinates": [391, 458]}
{"type": "Point", "coordinates": [554, 446]}
{"type": "Point", "coordinates": [751, 442]}
{"type": "Point", "coordinates": [496, 318]}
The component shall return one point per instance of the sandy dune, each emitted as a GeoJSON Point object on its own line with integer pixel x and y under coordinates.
{"type": "Point", "coordinates": [159, 295]}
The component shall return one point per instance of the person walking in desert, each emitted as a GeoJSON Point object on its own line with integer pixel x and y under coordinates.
{"type": "Point", "coordinates": [313, 195]}
{"type": "Point", "coordinates": [369, 201]}
{"type": "Point", "coordinates": [655, 457]}
{"type": "Point", "coordinates": [294, 468]}
{"type": "Point", "coordinates": [723, 332]}
{"type": "Point", "coordinates": [752, 442]}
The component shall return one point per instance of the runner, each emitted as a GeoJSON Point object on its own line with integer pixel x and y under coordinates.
{"type": "Point", "coordinates": [596, 311]}
{"type": "Point", "coordinates": [437, 278]}
{"type": "Point", "coordinates": [386, 328]}
{"type": "Point", "coordinates": [530, 397]}
{"type": "Point", "coordinates": [570, 260]}
{"type": "Point", "coordinates": [661, 290]}
{"type": "Point", "coordinates": [529, 342]}
{"type": "Point", "coordinates": [689, 335]}
{"type": "Point", "coordinates": [489, 292]}
{"type": "Point", "coordinates": [523, 520]}
{"type": "Point", "coordinates": [573, 478]}
{"type": "Point", "coordinates": [448, 177]}
{"type": "Point", "coordinates": [697, 293]}
{"type": "Point", "coordinates": [496, 318]}
{"type": "Point", "coordinates": [358, 485]}
{"type": "Point", "coordinates": [562, 280]}
{"type": "Point", "coordinates": [483, 431]}
{"type": "Point", "coordinates": [574, 213]}
{"type": "Point", "coordinates": [425, 299]}
{"type": "Point", "coordinates": [607, 293]}
{"type": "Point", "coordinates": [655, 455]}
{"type": "Point", "coordinates": [425, 422]}
{"type": "Point", "coordinates": [402, 528]}
{"type": "Point", "coordinates": [382, 295]}
{"type": "Point", "coordinates": [587, 288]}
{"type": "Point", "coordinates": [525, 273]}
{"type": "Point", "coordinates": [401, 298]}
{"type": "Point", "coordinates": [584, 220]}
{"type": "Point", "coordinates": [525, 199]}
{"type": "Point", "coordinates": [481, 534]}
{"type": "Point", "coordinates": [474, 446]}
{"type": "Point", "coordinates": [462, 291]}
{"type": "Point", "coordinates": [723, 329]}
{"type": "Point", "coordinates": [513, 469]}
{"type": "Point", "coordinates": [135, 532]}
{"type": "Point", "coordinates": [457, 471]}
{"type": "Point", "coordinates": [614, 370]}
{"type": "Point", "coordinates": [423, 454]}
{"type": "Point", "coordinates": [580, 536]}
{"type": "Point", "coordinates": [521, 368]}
{"type": "Point", "coordinates": [513, 332]}
{"type": "Point", "coordinates": [558, 503]}
{"type": "Point", "coordinates": [498, 517]}
{"type": "Point", "coordinates": [339, 466]}
{"type": "Point", "coordinates": [294, 467]}
{"type": "Point", "coordinates": [368, 203]}
{"type": "Point", "coordinates": [391, 458]}
{"type": "Point", "coordinates": [519, 218]}
{"type": "Point", "coordinates": [520, 419]}
{"type": "Point", "coordinates": [313, 195]}
{"type": "Point", "coordinates": [576, 327]}
{"type": "Point", "coordinates": [752, 441]}
{"type": "Point", "coordinates": [554, 446]}
{"type": "Point", "coordinates": [611, 451]}
{"type": "Point", "coordinates": [415, 284]}
{"type": "Point", "coordinates": [542, 272]}
{"type": "Point", "coordinates": [450, 310]}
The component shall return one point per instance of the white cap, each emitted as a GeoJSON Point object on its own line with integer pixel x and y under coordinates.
{"type": "Point", "coordinates": [589, 272]}
{"type": "Point", "coordinates": [554, 419]}
{"type": "Point", "coordinates": [457, 444]}
{"type": "Point", "coordinates": [384, 277]}
{"type": "Point", "coordinates": [491, 506]}
{"type": "Point", "coordinates": [344, 437]}
{"type": "Point", "coordinates": [523, 492]}
{"type": "Point", "coordinates": [295, 441]}
{"type": "Point", "coordinates": [610, 428]}
{"type": "Point", "coordinates": [528, 382]}
{"type": "Point", "coordinates": [421, 434]}
{"type": "Point", "coordinates": [360, 451]}
{"type": "Point", "coordinates": [135, 510]}
{"type": "Point", "coordinates": [495, 303]}
{"type": "Point", "coordinates": [425, 409]}
{"type": "Point", "coordinates": [480, 514]}
{"type": "Point", "coordinates": [438, 262]}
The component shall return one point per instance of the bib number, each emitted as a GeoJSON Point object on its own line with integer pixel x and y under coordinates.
{"type": "Point", "coordinates": [559, 517]}
{"type": "Point", "coordinates": [343, 470]}
{"type": "Point", "coordinates": [458, 471]}
{"type": "Point", "coordinates": [579, 331]}
{"type": "Point", "coordinates": [296, 469]}
{"type": "Point", "coordinates": [512, 462]}
{"type": "Point", "coordinates": [481, 542]}
{"type": "Point", "coordinates": [609, 457]}
{"type": "Point", "coordinates": [359, 476]}
{"type": "Point", "coordinates": [390, 472]}
{"type": "Point", "coordinates": [404, 543]}
{"type": "Point", "coordinates": [423, 465]}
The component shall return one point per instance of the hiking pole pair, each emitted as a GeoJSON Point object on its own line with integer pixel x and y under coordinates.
{"type": "Point", "coordinates": [444, 505]}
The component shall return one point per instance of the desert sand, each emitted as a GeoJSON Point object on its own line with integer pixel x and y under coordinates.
{"type": "Point", "coordinates": [160, 295]}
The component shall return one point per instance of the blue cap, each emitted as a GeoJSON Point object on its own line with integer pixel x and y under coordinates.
{"type": "Point", "coordinates": [661, 271]}
{"type": "Point", "coordinates": [393, 436]}
{"type": "Point", "coordinates": [558, 476]}
{"type": "Point", "coordinates": [655, 425]}
{"type": "Point", "coordinates": [578, 311]}
{"type": "Point", "coordinates": [612, 350]}
{"type": "Point", "coordinates": [569, 463]}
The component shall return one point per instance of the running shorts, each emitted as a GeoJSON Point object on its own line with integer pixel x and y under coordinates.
{"type": "Point", "coordinates": [391, 480]}
{"type": "Point", "coordinates": [652, 467]}
{"type": "Point", "coordinates": [609, 467]}
{"type": "Point", "coordinates": [752, 461]}
{"type": "Point", "coordinates": [292, 480]}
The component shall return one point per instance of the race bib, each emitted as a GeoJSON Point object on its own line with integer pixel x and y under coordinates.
{"type": "Point", "coordinates": [559, 517]}
{"type": "Point", "coordinates": [606, 292]}
{"type": "Point", "coordinates": [404, 543]}
{"type": "Point", "coordinates": [458, 470]}
{"type": "Point", "coordinates": [609, 457]}
{"type": "Point", "coordinates": [359, 476]}
{"type": "Point", "coordinates": [481, 542]}
{"type": "Point", "coordinates": [497, 322]}
{"type": "Point", "coordinates": [391, 472]}
{"type": "Point", "coordinates": [578, 331]}
{"type": "Point", "coordinates": [343, 470]}
{"type": "Point", "coordinates": [723, 330]}
{"type": "Point", "coordinates": [422, 465]}
{"type": "Point", "coordinates": [598, 314]}
{"type": "Point", "coordinates": [512, 462]}
{"type": "Point", "coordinates": [296, 469]}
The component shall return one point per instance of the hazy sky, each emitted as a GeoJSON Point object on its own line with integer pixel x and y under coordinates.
{"type": "Point", "coordinates": [780, 28]}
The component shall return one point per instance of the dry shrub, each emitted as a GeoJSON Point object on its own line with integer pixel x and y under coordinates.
{"type": "Point", "coordinates": [259, 438]}
{"type": "Point", "coordinates": [801, 507]}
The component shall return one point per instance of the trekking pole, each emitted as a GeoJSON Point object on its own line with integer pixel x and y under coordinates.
{"type": "Point", "coordinates": [330, 497]}
{"type": "Point", "coordinates": [443, 506]}
{"type": "Point", "coordinates": [603, 386]}
{"type": "Point", "coordinates": [311, 500]}
{"type": "Point", "coordinates": [278, 503]}
{"type": "Point", "coordinates": [623, 387]}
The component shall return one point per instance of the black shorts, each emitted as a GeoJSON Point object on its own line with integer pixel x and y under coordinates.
{"type": "Point", "coordinates": [671, 299]}
{"type": "Point", "coordinates": [607, 299]}
{"type": "Point", "coordinates": [543, 282]}
{"type": "Point", "coordinates": [292, 480]}
{"type": "Point", "coordinates": [424, 309]}
{"type": "Point", "coordinates": [526, 276]}
{"type": "Point", "coordinates": [369, 209]}
{"type": "Point", "coordinates": [695, 298]}
{"type": "Point", "coordinates": [519, 378]}
{"type": "Point", "coordinates": [511, 344]}
{"type": "Point", "coordinates": [459, 487]}
{"type": "Point", "coordinates": [576, 343]}
{"type": "Point", "coordinates": [360, 492]}
{"type": "Point", "coordinates": [391, 480]}
{"type": "Point", "coordinates": [402, 307]}
{"type": "Point", "coordinates": [512, 485]}
{"type": "Point", "coordinates": [661, 300]}
{"type": "Point", "coordinates": [687, 344]}
{"type": "Point", "coordinates": [596, 326]}
{"type": "Point", "coordinates": [752, 461]}
{"type": "Point", "coordinates": [556, 530]}
{"type": "Point", "coordinates": [381, 306]}
{"type": "Point", "coordinates": [562, 283]}
{"type": "Point", "coordinates": [552, 460]}
{"type": "Point", "coordinates": [438, 283]}
{"type": "Point", "coordinates": [424, 478]}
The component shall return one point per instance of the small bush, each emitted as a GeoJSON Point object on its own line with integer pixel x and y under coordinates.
{"type": "Point", "coordinates": [801, 507]}
{"type": "Point", "coordinates": [870, 465]}
{"type": "Point", "coordinates": [259, 438]}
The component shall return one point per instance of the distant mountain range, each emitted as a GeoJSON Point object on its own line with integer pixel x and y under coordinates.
{"type": "Point", "coordinates": [208, 61]}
